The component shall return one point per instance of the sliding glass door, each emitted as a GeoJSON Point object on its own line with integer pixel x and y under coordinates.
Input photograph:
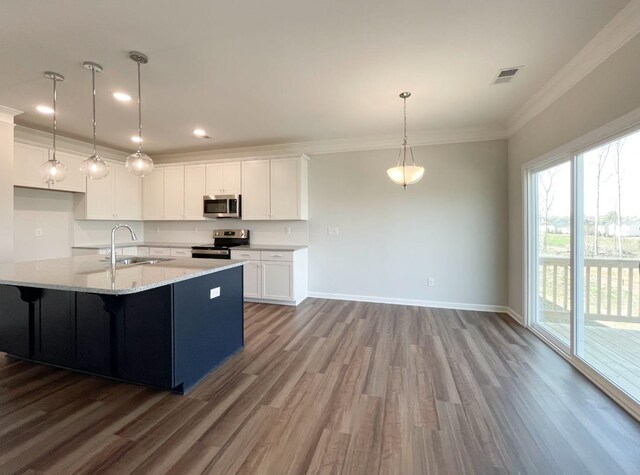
{"type": "Point", "coordinates": [584, 257]}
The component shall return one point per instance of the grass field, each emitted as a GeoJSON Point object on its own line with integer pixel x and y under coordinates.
{"type": "Point", "coordinates": [559, 245]}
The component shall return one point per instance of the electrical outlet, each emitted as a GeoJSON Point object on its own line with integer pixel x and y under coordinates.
{"type": "Point", "coordinates": [331, 231]}
{"type": "Point", "coordinates": [38, 232]}
{"type": "Point", "coordinates": [431, 282]}
{"type": "Point", "coordinates": [287, 231]}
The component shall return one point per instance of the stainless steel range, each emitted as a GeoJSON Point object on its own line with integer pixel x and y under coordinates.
{"type": "Point", "coordinates": [223, 241]}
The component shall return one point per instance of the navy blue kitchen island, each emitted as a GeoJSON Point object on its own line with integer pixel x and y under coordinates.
{"type": "Point", "coordinates": [165, 324]}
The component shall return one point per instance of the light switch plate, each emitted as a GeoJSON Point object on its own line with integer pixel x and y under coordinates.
{"type": "Point", "coordinates": [332, 231]}
{"type": "Point", "coordinates": [38, 232]}
{"type": "Point", "coordinates": [214, 293]}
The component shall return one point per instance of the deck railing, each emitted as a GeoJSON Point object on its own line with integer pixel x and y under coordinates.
{"type": "Point", "coordinates": [612, 287]}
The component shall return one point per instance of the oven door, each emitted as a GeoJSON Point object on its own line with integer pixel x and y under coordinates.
{"type": "Point", "coordinates": [222, 206]}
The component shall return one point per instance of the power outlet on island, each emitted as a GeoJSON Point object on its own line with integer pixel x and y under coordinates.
{"type": "Point", "coordinates": [39, 232]}
{"type": "Point", "coordinates": [431, 282]}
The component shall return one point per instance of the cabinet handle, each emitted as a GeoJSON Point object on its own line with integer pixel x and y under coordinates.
{"type": "Point", "coordinates": [276, 255]}
{"type": "Point", "coordinates": [245, 255]}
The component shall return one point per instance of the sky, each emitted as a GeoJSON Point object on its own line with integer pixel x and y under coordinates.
{"type": "Point", "coordinates": [630, 181]}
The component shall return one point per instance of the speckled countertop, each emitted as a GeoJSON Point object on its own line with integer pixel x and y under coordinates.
{"type": "Point", "coordinates": [93, 274]}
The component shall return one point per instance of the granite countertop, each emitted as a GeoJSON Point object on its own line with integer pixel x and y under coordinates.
{"type": "Point", "coordinates": [93, 274]}
{"type": "Point", "coordinates": [141, 244]}
{"type": "Point", "coordinates": [271, 247]}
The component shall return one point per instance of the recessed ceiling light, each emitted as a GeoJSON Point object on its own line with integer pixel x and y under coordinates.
{"type": "Point", "coordinates": [44, 109]}
{"type": "Point", "coordinates": [201, 134]}
{"type": "Point", "coordinates": [136, 139]}
{"type": "Point", "coordinates": [122, 97]}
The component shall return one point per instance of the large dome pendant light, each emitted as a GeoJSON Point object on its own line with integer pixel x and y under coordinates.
{"type": "Point", "coordinates": [404, 174]}
{"type": "Point", "coordinates": [94, 167]}
{"type": "Point", "coordinates": [53, 170]}
{"type": "Point", "coordinates": [139, 163]}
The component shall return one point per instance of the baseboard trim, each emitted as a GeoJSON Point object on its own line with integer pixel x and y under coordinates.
{"type": "Point", "coordinates": [515, 315]}
{"type": "Point", "coordinates": [411, 302]}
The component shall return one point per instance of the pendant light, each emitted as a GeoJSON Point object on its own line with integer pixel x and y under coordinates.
{"type": "Point", "coordinates": [139, 163]}
{"type": "Point", "coordinates": [53, 170]}
{"type": "Point", "coordinates": [94, 167]}
{"type": "Point", "coordinates": [404, 174]}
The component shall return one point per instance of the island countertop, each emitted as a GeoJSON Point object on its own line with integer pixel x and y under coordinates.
{"type": "Point", "coordinates": [92, 274]}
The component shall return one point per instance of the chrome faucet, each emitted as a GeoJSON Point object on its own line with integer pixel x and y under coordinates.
{"type": "Point", "coordinates": [113, 241]}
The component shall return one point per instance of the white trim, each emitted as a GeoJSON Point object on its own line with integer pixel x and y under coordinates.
{"type": "Point", "coordinates": [411, 302]}
{"type": "Point", "coordinates": [622, 28]}
{"type": "Point", "coordinates": [354, 144]}
{"type": "Point", "coordinates": [515, 315]}
{"type": "Point", "coordinates": [7, 114]}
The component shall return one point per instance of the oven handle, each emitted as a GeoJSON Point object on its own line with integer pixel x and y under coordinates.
{"type": "Point", "coordinates": [209, 252]}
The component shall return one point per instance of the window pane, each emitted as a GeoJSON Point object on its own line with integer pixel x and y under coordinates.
{"type": "Point", "coordinates": [611, 231]}
{"type": "Point", "coordinates": [553, 187]}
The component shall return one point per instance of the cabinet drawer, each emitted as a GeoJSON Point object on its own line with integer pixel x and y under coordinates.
{"type": "Point", "coordinates": [159, 251]}
{"type": "Point", "coordinates": [276, 256]}
{"type": "Point", "coordinates": [130, 251]}
{"type": "Point", "coordinates": [180, 252]}
{"type": "Point", "coordinates": [143, 251]}
{"type": "Point", "coordinates": [245, 254]}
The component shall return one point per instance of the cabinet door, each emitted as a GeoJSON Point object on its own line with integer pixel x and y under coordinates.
{"type": "Point", "coordinates": [215, 179]}
{"type": "Point", "coordinates": [100, 200]}
{"type": "Point", "coordinates": [174, 192]}
{"type": "Point", "coordinates": [27, 161]}
{"type": "Point", "coordinates": [252, 280]}
{"type": "Point", "coordinates": [232, 178]}
{"type": "Point", "coordinates": [285, 188]}
{"type": "Point", "coordinates": [127, 192]}
{"type": "Point", "coordinates": [14, 325]}
{"type": "Point", "coordinates": [56, 328]}
{"type": "Point", "coordinates": [194, 190]}
{"type": "Point", "coordinates": [75, 180]}
{"type": "Point", "coordinates": [277, 281]}
{"type": "Point", "coordinates": [256, 196]}
{"type": "Point", "coordinates": [152, 195]}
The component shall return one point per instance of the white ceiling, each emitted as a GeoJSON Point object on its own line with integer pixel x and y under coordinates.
{"type": "Point", "coordinates": [258, 72]}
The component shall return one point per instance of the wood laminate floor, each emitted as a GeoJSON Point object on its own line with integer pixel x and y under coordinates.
{"type": "Point", "coordinates": [331, 387]}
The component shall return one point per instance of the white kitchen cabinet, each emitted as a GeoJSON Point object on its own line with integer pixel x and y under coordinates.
{"type": "Point", "coordinates": [75, 180]}
{"type": "Point", "coordinates": [180, 252]}
{"type": "Point", "coordinates": [252, 279]}
{"type": "Point", "coordinates": [194, 190]}
{"type": "Point", "coordinates": [153, 195]}
{"type": "Point", "coordinates": [116, 196]}
{"type": "Point", "coordinates": [277, 280]}
{"type": "Point", "coordinates": [274, 276]}
{"type": "Point", "coordinates": [289, 177]}
{"type": "Point", "coordinates": [29, 158]}
{"type": "Point", "coordinates": [173, 193]}
{"type": "Point", "coordinates": [160, 251]}
{"type": "Point", "coordinates": [256, 195]}
{"type": "Point", "coordinates": [224, 178]}
{"type": "Point", "coordinates": [127, 192]}
{"type": "Point", "coordinates": [27, 161]}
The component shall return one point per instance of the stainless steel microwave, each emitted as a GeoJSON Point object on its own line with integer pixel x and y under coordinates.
{"type": "Point", "coordinates": [222, 206]}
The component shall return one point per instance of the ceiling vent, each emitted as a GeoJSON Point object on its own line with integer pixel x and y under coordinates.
{"type": "Point", "coordinates": [506, 75]}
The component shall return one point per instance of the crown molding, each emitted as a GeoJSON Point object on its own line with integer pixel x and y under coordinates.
{"type": "Point", "coordinates": [7, 114]}
{"type": "Point", "coordinates": [622, 28]}
{"type": "Point", "coordinates": [354, 144]}
{"type": "Point", "coordinates": [65, 144]}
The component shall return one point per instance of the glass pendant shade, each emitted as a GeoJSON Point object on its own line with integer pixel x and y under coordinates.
{"type": "Point", "coordinates": [52, 171]}
{"type": "Point", "coordinates": [94, 168]}
{"type": "Point", "coordinates": [405, 174]}
{"type": "Point", "coordinates": [139, 163]}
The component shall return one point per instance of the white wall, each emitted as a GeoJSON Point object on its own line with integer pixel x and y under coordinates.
{"type": "Point", "coordinates": [6, 187]}
{"type": "Point", "coordinates": [451, 226]}
{"type": "Point", "coordinates": [608, 92]}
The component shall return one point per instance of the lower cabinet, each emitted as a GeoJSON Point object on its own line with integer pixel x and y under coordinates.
{"type": "Point", "coordinates": [274, 276]}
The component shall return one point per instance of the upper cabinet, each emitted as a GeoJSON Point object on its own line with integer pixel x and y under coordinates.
{"type": "Point", "coordinates": [275, 189]}
{"type": "Point", "coordinates": [153, 195]}
{"type": "Point", "coordinates": [256, 196]}
{"type": "Point", "coordinates": [116, 196]}
{"type": "Point", "coordinates": [29, 158]}
{"type": "Point", "coordinates": [174, 193]}
{"type": "Point", "coordinates": [223, 178]}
